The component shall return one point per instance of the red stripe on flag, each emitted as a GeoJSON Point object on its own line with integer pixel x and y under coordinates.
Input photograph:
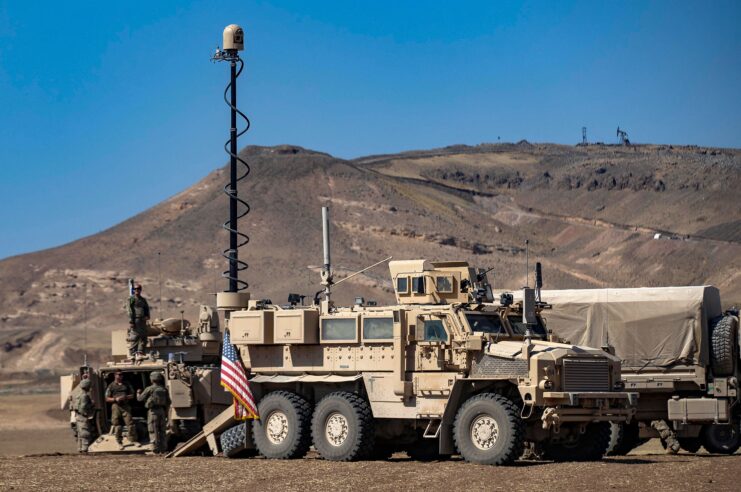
{"type": "Point", "coordinates": [240, 382]}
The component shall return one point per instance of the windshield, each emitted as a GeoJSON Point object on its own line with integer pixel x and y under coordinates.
{"type": "Point", "coordinates": [485, 322]}
{"type": "Point", "coordinates": [518, 327]}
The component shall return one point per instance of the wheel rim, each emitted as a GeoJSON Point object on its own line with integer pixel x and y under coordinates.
{"type": "Point", "coordinates": [276, 427]}
{"type": "Point", "coordinates": [336, 429]}
{"type": "Point", "coordinates": [484, 432]}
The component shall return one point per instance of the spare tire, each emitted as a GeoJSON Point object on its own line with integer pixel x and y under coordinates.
{"type": "Point", "coordinates": [723, 345]}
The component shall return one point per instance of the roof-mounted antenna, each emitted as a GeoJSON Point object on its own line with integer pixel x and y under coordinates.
{"type": "Point", "coordinates": [327, 277]}
{"type": "Point", "coordinates": [84, 326]}
{"type": "Point", "coordinates": [159, 281]}
{"type": "Point", "coordinates": [363, 270]}
{"type": "Point", "coordinates": [527, 263]}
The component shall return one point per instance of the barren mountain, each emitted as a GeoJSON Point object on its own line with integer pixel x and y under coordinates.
{"type": "Point", "coordinates": [595, 216]}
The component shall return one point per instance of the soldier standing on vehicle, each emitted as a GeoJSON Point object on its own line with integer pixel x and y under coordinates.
{"type": "Point", "coordinates": [118, 394]}
{"type": "Point", "coordinates": [85, 411]}
{"type": "Point", "coordinates": [138, 316]}
{"type": "Point", "coordinates": [157, 401]}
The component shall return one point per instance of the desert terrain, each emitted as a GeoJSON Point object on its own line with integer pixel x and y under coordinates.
{"type": "Point", "coordinates": [37, 450]}
{"type": "Point", "coordinates": [595, 216]}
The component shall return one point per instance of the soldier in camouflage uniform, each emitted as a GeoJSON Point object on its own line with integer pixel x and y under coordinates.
{"type": "Point", "coordinates": [71, 402]}
{"type": "Point", "coordinates": [157, 401]}
{"type": "Point", "coordinates": [84, 413]}
{"type": "Point", "coordinates": [668, 436]}
{"type": "Point", "coordinates": [138, 316]}
{"type": "Point", "coordinates": [118, 394]}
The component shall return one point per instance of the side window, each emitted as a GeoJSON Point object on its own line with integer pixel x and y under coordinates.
{"type": "Point", "coordinates": [434, 331]}
{"type": "Point", "coordinates": [402, 285]}
{"type": "Point", "coordinates": [339, 329]}
{"type": "Point", "coordinates": [444, 284]}
{"type": "Point", "coordinates": [418, 285]}
{"type": "Point", "coordinates": [378, 328]}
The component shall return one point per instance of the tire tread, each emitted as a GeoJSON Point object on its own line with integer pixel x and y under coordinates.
{"type": "Point", "coordinates": [365, 444]}
{"type": "Point", "coordinates": [722, 344]}
{"type": "Point", "coordinates": [303, 411]}
{"type": "Point", "coordinates": [515, 447]}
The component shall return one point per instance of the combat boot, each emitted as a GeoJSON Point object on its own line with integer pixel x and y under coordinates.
{"type": "Point", "coordinates": [672, 446]}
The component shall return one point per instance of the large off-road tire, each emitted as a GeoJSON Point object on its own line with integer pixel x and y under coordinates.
{"type": "Point", "coordinates": [721, 439]}
{"type": "Point", "coordinates": [283, 429]}
{"type": "Point", "coordinates": [690, 444]}
{"type": "Point", "coordinates": [343, 428]}
{"type": "Point", "coordinates": [590, 446]}
{"type": "Point", "coordinates": [234, 441]}
{"type": "Point", "coordinates": [488, 430]}
{"type": "Point", "coordinates": [616, 438]}
{"type": "Point", "coordinates": [623, 439]}
{"type": "Point", "coordinates": [723, 345]}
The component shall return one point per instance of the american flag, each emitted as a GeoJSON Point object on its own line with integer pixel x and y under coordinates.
{"type": "Point", "coordinates": [234, 379]}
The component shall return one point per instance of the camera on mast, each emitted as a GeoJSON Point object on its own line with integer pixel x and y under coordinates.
{"type": "Point", "coordinates": [233, 38]}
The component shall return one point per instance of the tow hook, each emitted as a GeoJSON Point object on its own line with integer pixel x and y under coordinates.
{"type": "Point", "coordinates": [550, 419]}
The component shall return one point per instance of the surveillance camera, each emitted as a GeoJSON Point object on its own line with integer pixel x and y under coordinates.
{"type": "Point", "coordinates": [233, 38]}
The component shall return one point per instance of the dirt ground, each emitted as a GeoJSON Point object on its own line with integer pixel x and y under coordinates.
{"type": "Point", "coordinates": [655, 472]}
{"type": "Point", "coordinates": [37, 452]}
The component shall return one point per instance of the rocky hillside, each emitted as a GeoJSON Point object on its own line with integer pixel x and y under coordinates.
{"type": "Point", "coordinates": [595, 216]}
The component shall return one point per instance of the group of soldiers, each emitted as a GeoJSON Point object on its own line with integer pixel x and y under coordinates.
{"type": "Point", "coordinates": [119, 394]}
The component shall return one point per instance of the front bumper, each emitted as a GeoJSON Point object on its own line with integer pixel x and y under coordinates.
{"type": "Point", "coordinates": [586, 407]}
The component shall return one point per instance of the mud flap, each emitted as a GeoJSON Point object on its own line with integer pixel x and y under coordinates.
{"type": "Point", "coordinates": [447, 446]}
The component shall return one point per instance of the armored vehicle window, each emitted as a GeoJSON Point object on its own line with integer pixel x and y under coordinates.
{"type": "Point", "coordinates": [444, 284]}
{"type": "Point", "coordinates": [486, 323]}
{"type": "Point", "coordinates": [402, 285]}
{"type": "Point", "coordinates": [418, 285]}
{"type": "Point", "coordinates": [518, 327]}
{"type": "Point", "coordinates": [378, 328]}
{"type": "Point", "coordinates": [339, 329]}
{"type": "Point", "coordinates": [435, 331]}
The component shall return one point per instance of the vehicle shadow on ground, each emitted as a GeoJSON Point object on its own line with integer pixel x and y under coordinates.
{"type": "Point", "coordinates": [635, 461]}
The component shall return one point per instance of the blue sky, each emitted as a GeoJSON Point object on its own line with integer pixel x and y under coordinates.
{"type": "Point", "coordinates": [107, 108]}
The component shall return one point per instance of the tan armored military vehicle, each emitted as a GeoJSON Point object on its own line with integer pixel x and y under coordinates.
{"type": "Point", "coordinates": [187, 356]}
{"type": "Point", "coordinates": [444, 369]}
{"type": "Point", "coordinates": [679, 350]}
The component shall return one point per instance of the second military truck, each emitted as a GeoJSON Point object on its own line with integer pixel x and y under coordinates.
{"type": "Point", "coordinates": [679, 350]}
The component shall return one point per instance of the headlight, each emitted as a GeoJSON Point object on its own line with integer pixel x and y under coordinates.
{"type": "Point", "coordinates": [546, 384]}
{"type": "Point", "coordinates": [619, 385]}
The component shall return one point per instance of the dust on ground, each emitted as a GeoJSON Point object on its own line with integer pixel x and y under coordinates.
{"type": "Point", "coordinates": [90, 472]}
{"type": "Point", "coordinates": [37, 452]}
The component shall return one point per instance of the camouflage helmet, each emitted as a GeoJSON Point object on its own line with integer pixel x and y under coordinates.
{"type": "Point", "coordinates": [85, 384]}
{"type": "Point", "coordinates": [157, 377]}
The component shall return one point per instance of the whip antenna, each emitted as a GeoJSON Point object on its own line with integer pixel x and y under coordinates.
{"type": "Point", "coordinates": [159, 280]}
{"type": "Point", "coordinates": [527, 263]}
{"type": "Point", "coordinates": [84, 327]}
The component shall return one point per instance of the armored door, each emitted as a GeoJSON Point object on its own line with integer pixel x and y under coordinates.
{"type": "Point", "coordinates": [432, 337]}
